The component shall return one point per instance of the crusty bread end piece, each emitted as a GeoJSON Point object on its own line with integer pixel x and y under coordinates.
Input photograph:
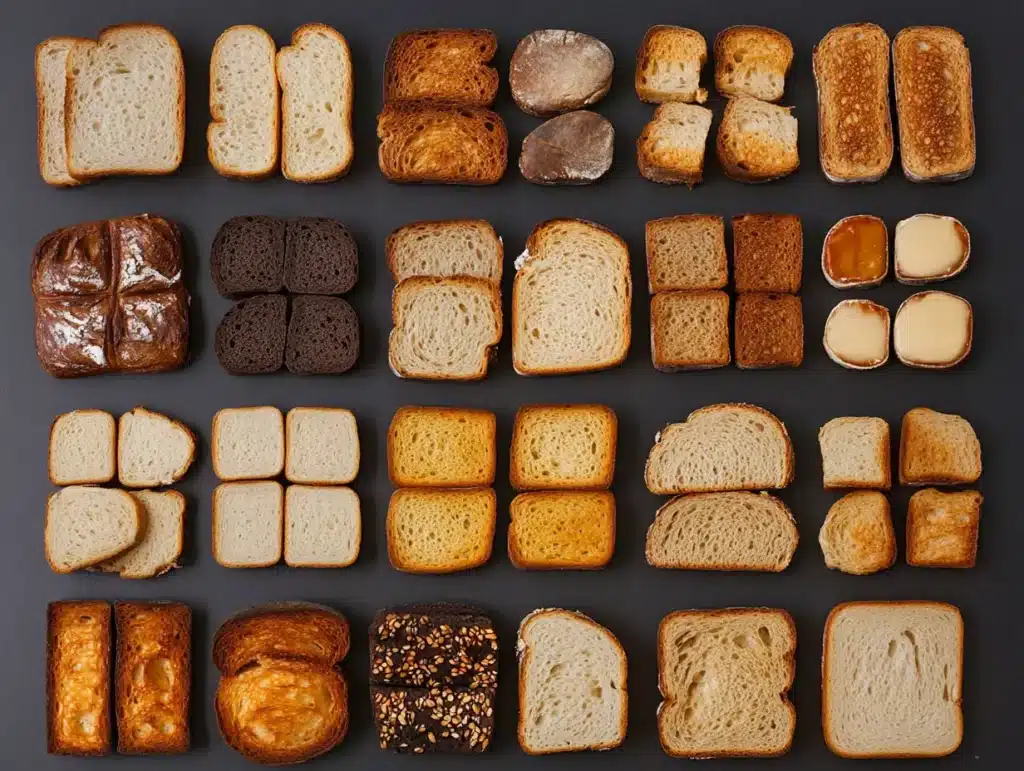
{"type": "Point", "coordinates": [857, 536]}
{"type": "Point", "coordinates": [752, 61]}
{"type": "Point", "coordinates": [757, 141]}
{"type": "Point", "coordinates": [51, 83]}
{"type": "Point", "coordinates": [83, 448]}
{"type": "Point", "coordinates": [152, 449]}
{"type": "Point", "coordinates": [668, 65]}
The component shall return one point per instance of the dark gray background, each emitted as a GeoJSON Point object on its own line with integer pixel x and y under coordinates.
{"type": "Point", "coordinates": [628, 597]}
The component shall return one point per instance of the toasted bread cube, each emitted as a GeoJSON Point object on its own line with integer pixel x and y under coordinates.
{"type": "Point", "coordinates": [690, 330]}
{"type": "Point", "coordinates": [669, 63]}
{"type": "Point", "coordinates": [686, 252]}
{"type": "Point", "coordinates": [248, 524]}
{"type": "Point", "coordinates": [769, 331]}
{"type": "Point", "coordinates": [855, 453]}
{"type": "Point", "coordinates": [942, 528]}
{"type": "Point", "coordinates": [671, 147]}
{"type": "Point", "coordinates": [938, 449]}
{"type": "Point", "coordinates": [768, 253]}
{"type": "Point", "coordinates": [858, 536]}
{"type": "Point", "coordinates": [752, 61]}
{"type": "Point", "coordinates": [563, 446]}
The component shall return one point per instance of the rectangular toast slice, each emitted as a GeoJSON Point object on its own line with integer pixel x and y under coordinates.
{"type": "Point", "coordinates": [440, 531]}
{"type": "Point", "coordinates": [563, 447]}
{"type": "Point", "coordinates": [562, 530]}
{"type": "Point", "coordinates": [942, 528]}
{"type": "Point", "coordinates": [686, 251]}
{"type": "Point", "coordinates": [450, 65]}
{"type": "Point", "coordinates": [442, 447]}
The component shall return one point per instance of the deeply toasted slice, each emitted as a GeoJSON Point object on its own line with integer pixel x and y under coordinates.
{"type": "Point", "coordinates": [721, 447]}
{"type": "Point", "coordinates": [571, 300]}
{"type": "Point", "coordinates": [322, 526]}
{"type": "Point", "coordinates": [87, 525]}
{"type": "Point", "coordinates": [322, 446]}
{"type": "Point", "coordinates": [769, 330]}
{"type": "Point", "coordinates": [722, 531]}
{"type": "Point", "coordinates": [930, 247]}
{"type": "Point", "coordinates": [857, 334]}
{"type": "Point", "coordinates": [159, 549]}
{"type": "Point", "coordinates": [569, 446]}
{"type": "Point", "coordinates": [442, 447]}
{"type": "Point", "coordinates": [857, 536]}
{"type": "Point", "coordinates": [445, 248]}
{"type": "Point", "coordinates": [690, 330]}
{"type": "Point", "coordinates": [562, 530]}
{"type": "Point", "coordinates": [671, 147]}
{"type": "Point", "coordinates": [450, 65]}
{"type": "Point", "coordinates": [933, 330]}
{"type": "Point", "coordinates": [942, 528]}
{"type": "Point", "coordinates": [938, 449]}
{"type": "Point", "coordinates": [51, 82]}
{"type": "Point", "coordinates": [855, 453]}
{"type": "Point", "coordinates": [752, 61]}
{"type": "Point", "coordinates": [757, 141]}
{"type": "Point", "coordinates": [248, 524]}
{"type": "Point", "coordinates": [572, 684]}
{"type": "Point", "coordinates": [83, 448]}
{"type": "Point", "coordinates": [668, 65]}
{"type": "Point", "coordinates": [152, 449]}
{"type": "Point", "coordinates": [440, 531]}
{"type": "Point", "coordinates": [856, 252]}
{"type": "Point", "coordinates": [686, 252]}
{"type": "Point", "coordinates": [248, 443]}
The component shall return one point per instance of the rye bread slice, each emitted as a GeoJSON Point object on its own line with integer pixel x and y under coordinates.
{"type": "Point", "coordinates": [247, 256]}
{"type": "Point", "coordinates": [323, 336]}
{"type": "Point", "coordinates": [321, 257]}
{"type": "Point", "coordinates": [251, 337]}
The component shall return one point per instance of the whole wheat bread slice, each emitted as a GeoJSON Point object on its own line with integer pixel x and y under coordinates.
{"type": "Point", "coordinates": [159, 549]}
{"type": "Point", "coordinates": [445, 248]}
{"type": "Point", "coordinates": [83, 448]}
{"type": "Point", "coordinates": [450, 65]}
{"type": "Point", "coordinates": [87, 525]}
{"type": "Point", "coordinates": [152, 449]}
{"type": "Point", "coordinates": [757, 140]}
{"type": "Point", "coordinates": [752, 61]}
{"type": "Point", "coordinates": [670, 149]}
{"type": "Point", "coordinates": [51, 83]}
{"type": "Point", "coordinates": [686, 251]}
{"type": "Point", "coordinates": [668, 65]}
{"type": "Point", "coordinates": [690, 330]}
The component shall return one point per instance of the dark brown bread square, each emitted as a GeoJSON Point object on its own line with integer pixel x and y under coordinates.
{"type": "Point", "coordinates": [321, 257]}
{"type": "Point", "coordinates": [251, 337]}
{"type": "Point", "coordinates": [769, 331]}
{"type": "Point", "coordinates": [71, 335]}
{"type": "Point", "coordinates": [150, 331]}
{"type": "Point", "coordinates": [450, 65]}
{"type": "Point", "coordinates": [247, 256]}
{"type": "Point", "coordinates": [768, 252]}
{"type": "Point", "coordinates": [439, 719]}
{"type": "Point", "coordinates": [323, 336]}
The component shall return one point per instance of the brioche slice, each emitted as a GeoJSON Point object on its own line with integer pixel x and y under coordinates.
{"type": "Point", "coordinates": [445, 248]}
{"type": "Point", "coordinates": [721, 447]}
{"type": "Point", "coordinates": [153, 677]}
{"type": "Point", "coordinates": [159, 549]}
{"type": "Point", "coordinates": [686, 252]}
{"type": "Point", "coordinates": [942, 528]}
{"type": "Point", "coordinates": [855, 453]}
{"type": "Point", "coordinates": [442, 447]}
{"type": "Point", "coordinates": [564, 530]}
{"type": "Point", "coordinates": [935, 104]}
{"type": "Point", "coordinates": [51, 82]}
{"type": "Point", "coordinates": [87, 525]}
{"type": "Point", "coordinates": [571, 300]}
{"type": "Point", "coordinates": [248, 524]}
{"type": "Point", "coordinates": [752, 61]}
{"type": "Point", "coordinates": [557, 447]}
{"type": "Point", "coordinates": [83, 448]}
{"type": "Point", "coordinates": [668, 65]}
{"type": "Point", "coordinates": [315, 74]}
{"type": "Point", "coordinates": [243, 139]}
{"type": "Point", "coordinates": [857, 334]}
{"type": "Point", "coordinates": [938, 449]}
{"type": "Point", "coordinates": [690, 330]}
{"type": "Point", "coordinates": [572, 684]}
{"type": "Point", "coordinates": [125, 103]}
{"type": "Point", "coordinates": [322, 446]}
{"type": "Point", "coordinates": [322, 527]}
{"type": "Point", "coordinates": [671, 147]}
{"type": "Point", "coordinates": [933, 330]}
{"type": "Point", "coordinates": [248, 443]}
{"type": "Point", "coordinates": [930, 247]}
{"type": "Point", "coordinates": [725, 676]}
{"type": "Point", "coordinates": [78, 644]}
{"type": "Point", "coordinates": [440, 531]}
{"type": "Point", "coordinates": [757, 141]}
{"type": "Point", "coordinates": [857, 536]}
{"type": "Point", "coordinates": [722, 531]}
{"type": "Point", "coordinates": [152, 449]}
{"type": "Point", "coordinates": [445, 328]}
{"type": "Point", "coordinates": [449, 65]}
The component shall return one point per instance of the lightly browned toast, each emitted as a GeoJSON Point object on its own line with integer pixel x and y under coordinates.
{"type": "Point", "coordinates": [449, 65]}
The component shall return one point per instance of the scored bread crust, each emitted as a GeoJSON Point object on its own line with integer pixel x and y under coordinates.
{"type": "Point", "coordinates": [113, 450]}
{"type": "Point", "coordinates": [482, 43]}
{"type": "Point", "coordinates": [390, 243]}
{"type": "Point", "coordinates": [826, 650]}
{"type": "Point", "coordinates": [875, 308]}
{"type": "Point", "coordinates": [176, 425]}
{"type": "Point", "coordinates": [970, 333]}
{"type": "Point", "coordinates": [469, 480]}
{"type": "Point", "coordinates": [140, 519]}
{"type": "Point", "coordinates": [515, 473]}
{"type": "Point", "coordinates": [41, 110]}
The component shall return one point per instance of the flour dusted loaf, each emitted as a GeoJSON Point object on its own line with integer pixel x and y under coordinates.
{"type": "Point", "coordinates": [556, 70]}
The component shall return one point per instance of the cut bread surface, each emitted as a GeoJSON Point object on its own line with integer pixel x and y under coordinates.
{"type": "Point", "coordinates": [440, 531]}
{"type": "Point", "coordinates": [669, 63]}
{"type": "Point", "coordinates": [562, 530]}
{"type": "Point", "coordinates": [162, 541]}
{"type": "Point", "coordinates": [248, 443]}
{"type": "Point", "coordinates": [87, 525]}
{"type": "Point", "coordinates": [322, 526]}
{"type": "Point", "coordinates": [686, 251]}
{"type": "Point", "coordinates": [855, 453]}
{"type": "Point", "coordinates": [671, 147]}
{"type": "Point", "coordinates": [445, 248]}
{"type": "Point", "coordinates": [442, 447]}
{"type": "Point", "coordinates": [757, 141]}
{"type": "Point", "coordinates": [322, 446]}
{"type": "Point", "coordinates": [690, 330]}
{"type": "Point", "coordinates": [563, 447]}
{"type": "Point", "coordinates": [248, 524]}
{"type": "Point", "coordinates": [152, 449]}
{"type": "Point", "coordinates": [942, 528]}
{"type": "Point", "coordinates": [450, 65]}
{"type": "Point", "coordinates": [857, 536]}
{"type": "Point", "coordinates": [938, 449]}
{"type": "Point", "coordinates": [83, 448]}
{"type": "Point", "coordinates": [752, 61]}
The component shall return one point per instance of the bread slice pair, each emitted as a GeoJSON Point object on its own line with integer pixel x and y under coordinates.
{"type": "Point", "coordinates": [442, 447]}
{"type": "Point", "coordinates": [440, 531]}
{"type": "Point", "coordinates": [938, 449]}
{"type": "Point", "coordinates": [445, 248]}
{"type": "Point", "coordinates": [857, 536]}
{"type": "Point", "coordinates": [857, 334]}
{"type": "Point", "coordinates": [88, 525]}
{"type": "Point", "coordinates": [757, 141]}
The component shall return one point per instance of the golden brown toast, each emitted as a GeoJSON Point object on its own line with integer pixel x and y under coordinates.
{"type": "Point", "coordinates": [449, 65]}
{"type": "Point", "coordinates": [942, 528]}
{"type": "Point", "coordinates": [153, 676]}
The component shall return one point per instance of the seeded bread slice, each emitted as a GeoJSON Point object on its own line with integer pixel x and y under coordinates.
{"type": "Point", "coordinates": [442, 447]}
{"type": "Point", "coordinates": [83, 448]}
{"type": "Point", "coordinates": [439, 719]}
{"type": "Point", "coordinates": [87, 525]}
{"type": "Point", "coordinates": [152, 449]}
{"type": "Point", "coordinates": [563, 447]}
{"type": "Point", "coordinates": [752, 61]}
{"type": "Point", "coordinates": [445, 248]}
{"type": "Point", "coordinates": [51, 83]}
{"type": "Point", "coordinates": [757, 141]}
{"type": "Point", "coordinates": [160, 547]}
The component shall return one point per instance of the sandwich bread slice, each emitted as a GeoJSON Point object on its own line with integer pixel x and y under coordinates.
{"type": "Point", "coordinates": [442, 447]}
{"type": "Point", "coordinates": [671, 147]}
{"type": "Point", "coordinates": [440, 531]}
{"type": "Point", "coordinates": [857, 536]}
{"type": "Point", "coordinates": [560, 447]}
{"type": "Point", "coordinates": [87, 525]}
{"type": "Point", "coordinates": [152, 449]}
{"type": "Point", "coordinates": [855, 453]}
{"type": "Point", "coordinates": [322, 446]}
{"type": "Point", "coordinates": [445, 248]}
{"type": "Point", "coordinates": [562, 530]}
{"type": "Point", "coordinates": [322, 526]}
{"type": "Point", "coordinates": [449, 65]}
{"type": "Point", "coordinates": [160, 546]}
{"type": "Point", "coordinates": [83, 448]}
{"type": "Point", "coordinates": [51, 82]}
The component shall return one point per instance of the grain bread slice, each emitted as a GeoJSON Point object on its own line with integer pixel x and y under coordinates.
{"type": "Point", "coordinates": [125, 103]}
{"type": "Point", "coordinates": [757, 140]}
{"type": "Point", "coordinates": [857, 334]}
{"type": "Point", "coordinates": [440, 531]}
{"type": "Point", "coordinates": [938, 449]}
{"type": "Point", "coordinates": [450, 65]}
{"type": "Point", "coordinates": [668, 65]}
{"type": "Point", "coordinates": [671, 147]}
{"type": "Point", "coordinates": [87, 525]}
{"type": "Point", "coordinates": [442, 447]}
{"type": "Point", "coordinates": [933, 330]}
{"type": "Point", "coordinates": [942, 528]}
{"type": "Point", "coordinates": [855, 453]}
{"type": "Point", "coordinates": [248, 524]}
{"type": "Point", "coordinates": [857, 536]}
{"type": "Point", "coordinates": [571, 300]}
{"type": "Point", "coordinates": [78, 644]}
{"type": "Point", "coordinates": [248, 443]}
{"type": "Point", "coordinates": [934, 102]}
{"type": "Point", "coordinates": [83, 448]}
{"type": "Point", "coordinates": [686, 251]}
{"type": "Point", "coordinates": [160, 546]}
{"type": "Point", "coordinates": [910, 655]}
{"type": "Point", "coordinates": [321, 446]}
{"type": "Point", "coordinates": [445, 248]}
{"type": "Point", "coordinates": [440, 719]}
{"type": "Point", "coordinates": [152, 449]}
{"type": "Point", "coordinates": [572, 684]}
{"type": "Point", "coordinates": [315, 74]}
{"type": "Point", "coordinates": [51, 82]}
{"type": "Point", "coordinates": [559, 447]}
{"type": "Point", "coordinates": [725, 677]}
{"type": "Point", "coordinates": [243, 139]}
{"type": "Point", "coordinates": [752, 61]}
{"type": "Point", "coordinates": [562, 530]}
{"type": "Point", "coordinates": [722, 531]}
{"type": "Point", "coordinates": [851, 72]}
{"type": "Point", "coordinates": [721, 447]}
{"type": "Point", "coordinates": [444, 328]}
{"type": "Point", "coordinates": [322, 527]}
{"type": "Point", "coordinates": [153, 677]}
{"type": "Point", "coordinates": [690, 330]}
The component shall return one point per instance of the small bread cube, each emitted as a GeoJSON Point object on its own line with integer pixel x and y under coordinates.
{"type": "Point", "coordinates": [752, 61]}
{"type": "Point", "coordinates": [942, 528]}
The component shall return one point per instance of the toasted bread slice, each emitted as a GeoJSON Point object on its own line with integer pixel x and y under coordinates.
{"type": "Point", "coordinates": [752, 61]}
{"type": "Point", "coordinates": [88, 525]}
{"type": "Point", "coordinates": [857, 334]}
{"type": "Point", "coordinates": [51, 82]}
{"type": "Point", "coordinates": [153, 677]}
{"type": "Point", "coordinates": [440, 531]}
{"type": "Point", "coordinates": [152, 449]}
{"type": "Point", "coordinates": [671, 147]}
{"type": "Point", "coordinates": [668, 65]}
{"type": "Point", "coordinates": [769, 331]}
{"type": "Point", "coordinates": [445, 248]}
{"type": "Point", "coordinates": [934, 101]}
{"type": "Point", "coordinates": [857, 536]}
{"type": "Point", "coordinates": [248, 524]}
{"type": "Point", "coordinates": [930, 247]}
{"type": "Point", "coordinates": [933, 330]}
{"type": "Point", "coordinates": [321, 446]}
{"type": "Point", "coordinates": [855, 453]}
{"type": "Point", "coordinates": [83, 448]}
{"type": "Point", "coordinates": [248, 443]}
{"type": "Point", "coordinates": [160, 547]}
{"type": "Point", "coordinates": [942, 528]}
{"type": "Point", "coordinates": [856, 252]}
{"type": "Point", "coordinates": [757, 141]}
{"type": "Point", "coordinates": [558, 447]}
{"type": "Point", "coordinates": [690, 330]}
{"type": "Point", "coordinates": [322, 527]}
{"type": "Point", "coordinates": [768, 253]}
{"type": "Point", "coordinates": [442, 447]}
{"type": "Point", "coordinates": [851, 71]}
{"type": "Point", "coordinates": [686, 252]}
{"type": "Point", "coordinates": [449, 65]}
{"type": "Point", "coordinates": [563, 530]}
{"type": "Point", "coordinates": [938, 449]}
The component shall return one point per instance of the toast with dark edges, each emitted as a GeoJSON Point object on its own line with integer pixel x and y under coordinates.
{"type": "Point", "coordinates": [450, 65]}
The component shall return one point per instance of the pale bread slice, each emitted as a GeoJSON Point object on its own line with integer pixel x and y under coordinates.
{"type": "Point", "coordinates": [858, 536]}
{"type": "Point", "coordinates": [83, 448]}
{"type": "Point", "coordinates": [857, 334]}
{"type": "Point", "coordinates": [87, 525]}
{"type": "Point", "coordinates": [322, 527]}
{"type": "Point", "coordinates": [152, 449]}
{"type": "Point", "coordinates": [248, 443]}
{"type": "Point", "coordinates": [933, 330]}
{"type": "Point", "coordinates": [51, 83]}
{"type": "Point", "coordinates": [159, 549]}
{"type": "Point", "coordinates": [559, 447]}
{"type": "Point", "coordinates": [855, 453]}
{"type": "Point", "coordinates": [248, 524]}
{"type": "Point", "coordinates": [445, 248]}
{"type": "Point", "coordinates": [321, 446]}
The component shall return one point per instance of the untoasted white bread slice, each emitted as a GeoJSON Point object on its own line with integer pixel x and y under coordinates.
{"type": "Point", "coordinates": [892, 679]}
{"type": "Point", "coordinates": [87, 525]}
{"type": "Point", "coordinates": [668, 65]}
{"type": "Point", "coordinates": [571, 300]}
{"type": "Point", "coordinates": [51, 82]}
{"type": "Point", "coordinates": [725, 677]}
{"type": "Point", "coordinates": [942, 528]}
{"type": "Point", "coordinates": [933, 330]}
{"type": "Point", "coordinates": [563, 447]}
{"type": "Point", "coordinates": [855, 453]}
{"type": "Point", "coordinates": [322, 446]}
{"type": "Point", "coordinates": [757, 140]}
{"type": "Point", "coordinates": [152, 449]}
{"type": "Point", "coordinates": [322, 527]}
{"type": "Point", "coordinates": [938, 449]}
{"type": "Point", "coordinates": [125, 103]}
{"type": "Point", "coordinates": [442, 447]}
{"type": "Point", "coordinates": [248, 524]}
{"type": "Point", "coordinates": [445, 248]}
{"type": "Point", "coordinates": [721, 447]}
{"type": "Point", "coordinates": [572, 684]}
{"type": "Point", "coordinates": [722, 531]}
{"type": "Point", "coordinates": [243, 139]}
{"type": "Point", "coordinates": [83, 448]}
{"type": "Point", "coordinates": [857, 536]}
{"type": "Point", "coordinates": [562, 530]}
{"type": "Point", "coordinates": [315, 73]}
{"type": "Point", "coordinates": [930, 247]}
{"type": "Point", "coordinates": [752, 61]}
{"type": "Point", "coordinates": [248, 443]}
{"type": "Point", "coordinates": [440, 531]}
{"type": "Point", "coordinates": [857, 334]}
{"type": "Point", "coordinates": [159, 549]}
{"type": "Point", "coordinates": [671, 147]}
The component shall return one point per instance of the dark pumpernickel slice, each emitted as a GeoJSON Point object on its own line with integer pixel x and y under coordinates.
{"type": "Point", "coordinates": [321, 257]}
{"type": "Point", "coordinates": [251, 337]}
{"type": "Point", "coordinates": [437, 719]}
{"type": "Point", "coordinates": [248, 256]}
{"type": "Point", "coordinates": [323, 336]}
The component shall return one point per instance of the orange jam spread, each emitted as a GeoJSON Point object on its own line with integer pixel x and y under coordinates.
{"type": "Point", "coordinates": [857, 250]}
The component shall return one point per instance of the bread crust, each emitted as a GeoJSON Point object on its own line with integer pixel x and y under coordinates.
{"type": "Point", "coordinates": [113, 450]}
{"type": "Point", "coordinates": [140, 519]}
{"type": "Point", "coordinates": [177, 425]}
{"type": "Point", "coordinates": [515, 473]}
{"type": "Point", "coordinates": [970, 333]}
{"type": "Point", "coordinates": [215, 443]}
{"type": "Point", "coordinates": [522, 562]}
{"type": "Point", "coordinates": [41, 110]}
{"type": "Point", "coordinates": [409, 567]}
{"type": "Point", "coordinates": [395, 474]}
{"type": "Point", "coordinates": [391, 241]}
{"type": "Point", "coordinates": [484, 49]}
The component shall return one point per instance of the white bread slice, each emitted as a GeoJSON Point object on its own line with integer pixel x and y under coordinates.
{"type": "Point", "coordinates": [445, 248]}
{"type": "Point", "coordinates": [244, 136]}
{"type": "Point", "coordinates": [571, 300]}
{"type": "Point", "coordinates": [51, 82]}
{"type": "Point", "coordinates": [87, 525]}
{"type": "Point", "coordinates": [671, 147]}
{"type": "Point", "coordinates": [152, 449]}
{"type": "Point", "coordinates": [938, 449]}
{"type": "Point", "coordinates": [248, 524]}
{"type": "Point", "coordinates": [160, 547]}
{"type": "Point", "coordinates": [322, 527]}
{"type": "Point", "coordinates": [315, 73]}
{"type": "Point", "coordinates": [930, 247]}
{"type": "Point", "coordinates": [719, 448]}
{"type": "Point", "coordinates": [572, 684]}
{"type": "Point", "coordinates": [857, 334]}
{"type": "Point", "coordinates": [757, 141]}
{"type": "Point", "coordinates": [125, 103]}
{"type": "Point", "coordinates": [857, 536]}
{"type": "Point", "coordinates": [892, 679]}
{"type": "Point", "coordinates": [855, 453]}
{"type": "Point", "coordinates": [83, 448]}
{"type": "Point", "coordinates": [322, 446]}
{"type": "Point", "coordinates": [722, 531]}
{"type": "Point", "coordinates": [725, 677]}
{"type": "Point", "coordinates": [248, 443]}
{"type": "Point", "coordinates": [668, 65]}
{"type": "Point", "coordinates": [933, 330]}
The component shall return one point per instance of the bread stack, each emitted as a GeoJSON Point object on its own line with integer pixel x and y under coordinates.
{"type": "Point", "coordinates": [316, 522]}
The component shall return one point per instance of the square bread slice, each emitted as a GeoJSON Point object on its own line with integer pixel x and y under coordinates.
{"type": "Point", "coordinates": [942, 528]}
{"type": "Point", "coordinates": [571, 300]}
{"type": "Point", "coordinates": [686, 252]}
{"type": "Point", "coordinates": [668, 65]}
{"type": "Point", "coordinates": [570, 446]}
{"type": "Point", "coordinates": [757, 140]}
{"type": "Point", "coordinates": [248, 443]}
{"type": "Point", "coordinates": [83, 448]}
{"type": "Point", "coordinates": [152, 449]}
{"type": "Point", "coordinates": [725, 677]}
{"type": "Point", "coordinates": [768, 253]}
{"type": "Point", "coordinates": [892, 679]}
{"type": "Point", "coordinates": [442, 447]}
{"type": "Point", "coordinates": [445, 248]}
{"type": "Point", "coordinates": [857, 536]}
{"type": "Point", "coordinates": [671, 147]}
{"type": "Point", "coordinates": [51, 82]}
{"type": "Point", "coordinates": [159, 549]}
{"type": "Point", "coordinates": [769, 331]}
{"type": "Point", "coordinates": [440, 531]}
{"type": "Point", "coordinates": [690, 330]}
{"type": "Point", "coordinates": [448, 65]}
{"type": "Point", "coordinates": [855, 453]}
{"type": "Point", "coordinates": [752, 61]}
{"type": "Point", "coordinates": [248, 524]}
{"type": "Point", "coordinates": [322, 527]}
{"type": "Point", "coordinates": [938, 449]}
{"type": "Point", "coordinates": [321, 446]}
{"type": "Point", "coordinates": [562, 530]}
{"type": "Point", "coordinates": [87, 525]}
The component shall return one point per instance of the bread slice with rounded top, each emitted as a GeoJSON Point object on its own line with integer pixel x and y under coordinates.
{"type": "Point", "coordinates": [757, 141]}
{"type": "Point", "coordinates": [445, 248]}
{"type": "Point", "coordinates": [442, 447]}
{"type": "Point", "coordinates": [557, 447]}
{"type": "Point", "coordinates": [719, 448]}
{"type": "Point", "coordinates": [83, 448]}
{"type": "Point", "coordinates": [938, 449]}
{"type": "Point", "coordinates": [668, 65]}
{"type": "Point", "coordinates": [51, 83]}
{"type": "Point", "coordinates": [152, 449]}
{"type": "Point", "coordinates": [855, 453]}
{"type": "Point", "coordinates": [160, 546]}
{"type": "Point", "coordinates": [671, 147]}
{"type": "Point", "coordinates": [450, 65]}
{"type": "Point", "coordinates": [87, 525]}
{"type": "Point", "coordinates": [752, 61]}
{"type": "Point", "coordinates": [440, 531]}
{"type": "Point", "coordinates": [857, 536]}
{"type": "Point", "coordinates": [562, 530]}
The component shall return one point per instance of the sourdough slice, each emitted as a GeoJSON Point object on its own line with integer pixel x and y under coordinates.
{"type": "Point", "coordinates": [248, 443]}
{"type": "Point", "coordinates": [855, 453]}
{"type": "Point", "coordinates": [752, 61]}
{"type": "Point", "coordinates": [243, 139]}
{"type": "Point", "coordinates": [440, 531]}
{"type": "Point", "coordinates": [938, 449]}
{"type": "Point", "coordinates": [449, 65]}
{"type": "Point", "coordinates": [851, 71]}
{"type": "Point", "coordinates": [556, 447]}
{"type": "Point", "coordinates": [87, 525]}
{"type": "Point", "coordinates": [445, 328]}
{"type": "Point", "coordinates": [442, 447]}
{"type": "Point", "coordinates": [248, 524]}
{"type": "Point", "coordinates": [322, 446]}
{"type": "Point", "coordinates": [572, 684]}
{"type": "Point", "coordinates": [721, 447]}
{"type": "Point", "coordinates": [83, 448]}
{"type": "Point", "coordinates": [51, 82]}
{"type": "Point", "coordinates": [892, 679]}
{"type": "Point", "coordinates": [152, 449]}
{"type": "Point", "coordinates": [725, 676]}
{"type": "Point", "coordinates": [671, 147]}
{"type": "Point", "coordinates": [857, 536]}
{"type": "Point", "coordinates": [159, 549]}
{"type": "Point", "coordinates": [690, 330]}
{"type": "Point", "coordinates": [757, 141]}
{"type": "Point", "coordinates": [322, 527]}
{"type": "Point", "coordinates": [722, 531]}
{"type": "Point", "coordinates": [315, 74]}
{"type": "Point", "coordinates": [668, 65]}
{"type": "Point", "coordinates": [942, 528]}
{"type": "Point", "coordinates": [125, 103]}
{"type": "Point", "coordinates": [445, 248]}
{"type": "Point", "coordinates": [571, 300]}
{"type": "Point", "coordinates": [564, 530]}
{"type": "Point", "coordinates": [686, 252]}
{"type": "Point", "coordinates": [444, 143]}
